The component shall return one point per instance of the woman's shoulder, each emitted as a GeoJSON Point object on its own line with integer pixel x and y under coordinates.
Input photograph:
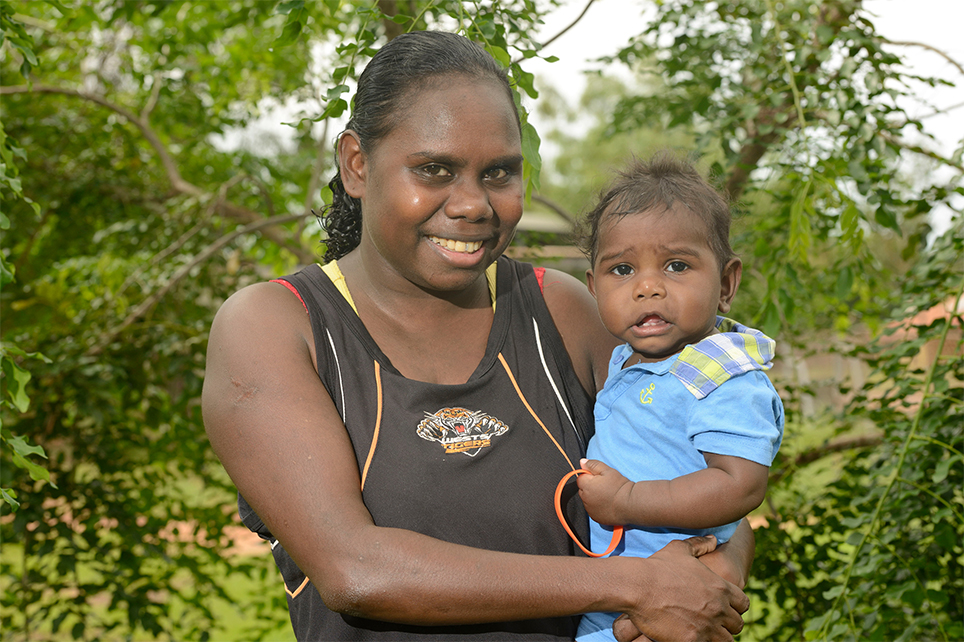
{"type": "Point", "coordinates": [264, 307]}
{"type": "Point", "coordinates": [574, 312]}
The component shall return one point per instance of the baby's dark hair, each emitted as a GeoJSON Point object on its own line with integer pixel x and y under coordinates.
{"type": "Point", "coordinates": [660, 185]}
{"type": "Point", "coordinates": [408, 63]}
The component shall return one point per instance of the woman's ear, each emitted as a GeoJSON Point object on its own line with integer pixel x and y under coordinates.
{"type": "Point", "coordinates": [730, 283]}
{"type": "Point", "coordinates": [352, 164]}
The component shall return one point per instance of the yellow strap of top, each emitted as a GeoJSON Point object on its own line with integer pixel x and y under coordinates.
{"type": "Point", "coordinates": [338, 279]}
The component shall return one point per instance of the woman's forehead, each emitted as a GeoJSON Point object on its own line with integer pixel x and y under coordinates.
{"type": "Point", "coordinates": [456, 107]}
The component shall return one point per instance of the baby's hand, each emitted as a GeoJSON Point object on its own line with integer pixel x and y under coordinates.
{"type": "Point", "coordinates": [603, 492]}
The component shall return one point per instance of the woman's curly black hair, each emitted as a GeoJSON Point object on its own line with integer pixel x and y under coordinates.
{"type": "Point", "coordinates": [408, 63]}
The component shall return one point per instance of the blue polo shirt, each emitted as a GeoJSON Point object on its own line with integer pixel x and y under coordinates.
{"type": "Point", "coordinates": [655, 420]}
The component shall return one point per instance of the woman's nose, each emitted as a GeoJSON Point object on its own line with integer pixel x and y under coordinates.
{"type": "Point", "coordinates": [468, 200]}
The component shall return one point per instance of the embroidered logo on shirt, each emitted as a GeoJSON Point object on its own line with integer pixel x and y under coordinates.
{"type": "Point", "coordinates": [460, 430]}
{"type": "Point", "coordinates": [646, 394]}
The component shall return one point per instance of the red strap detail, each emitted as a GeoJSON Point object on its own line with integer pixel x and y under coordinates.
{"type": "Point", "coordinates": [293, 289]}
{"type": "Point", "coordinates": [540, 275]}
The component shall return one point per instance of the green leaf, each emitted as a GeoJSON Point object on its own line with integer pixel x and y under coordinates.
{"type": "Point", "coordinates": [845, 282]}
{"type": "Point", "coordinates": [297, 17]}
{"type": "Point", "coordinates": [848, 220]}
{"type": "Point", "coordinates": [9, 496]}
{"type": "Point", "coordinates": [800, 238]}
{"type": "Point", "coordinates": [500, 54]}
{"type": "Point", "coordinates": [6, 272]}
{"type": "Point", "coordinates": [334, 92]}
{"type": "Point", "coordinates": [943, 468]}
{"type": "Point", "coordinates": [833, 592]}
{"type": "Point", "coordinates": [37, 472]}
{"type": "Point", "coordinates": [23, 448]}
{"type": "Point", "coordinates": [289, 5]}
{"type": "Point", "coordinates": [334, 109]}
{"type": "Point", "coordinates": [771, 320]}
{"type": "Point", "coordinates": [532, 161]}
{"type": "Point", "coordinates": [16, 379]}
{"type": "Point", "coordinates": [26, 48]}
{"type": "Point", "coordinates": [887, 218]}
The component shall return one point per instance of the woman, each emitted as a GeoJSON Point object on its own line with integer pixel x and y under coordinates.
{"type": "Point", "coordinates": [396, 423]}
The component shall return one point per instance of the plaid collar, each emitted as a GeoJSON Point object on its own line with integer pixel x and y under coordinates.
{"type": "Point", "coordinates": [705, 366]}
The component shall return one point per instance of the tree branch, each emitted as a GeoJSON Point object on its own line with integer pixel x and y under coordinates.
{"type": "Point", "coordinates": [917, 149]}
{"type": "Point", "coordinates": [555, 207]}
{"type": "Point", "coordinates": [812, 455]}
{"type": "Point", "coordinates": [925, 46]}
{"type": "Point", "coordinates": [314, 182]}
{"type": "Point", "coordinates": [571, 25]}
{"type": "Point", "coordinates": [170, 166]}
{"type": "Point", "coordinates": [202, 256]}
{"type": "Point", "coordinates": [832, 15]}
{"type": "Point", "coordinates": [152, 101]}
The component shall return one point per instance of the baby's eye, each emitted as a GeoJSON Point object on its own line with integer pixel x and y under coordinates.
{"type": "Point", "coordinates": [436, 170]}
{"type": "Point", "coordinates": [677, 266]}
{"type": "Point", "coordinates": [622, 270]}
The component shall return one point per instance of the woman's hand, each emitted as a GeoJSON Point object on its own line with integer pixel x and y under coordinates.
{"type": "Point", "coordinates": [732, 560]}
{"type": "Point", "coordinates": [687, 600]}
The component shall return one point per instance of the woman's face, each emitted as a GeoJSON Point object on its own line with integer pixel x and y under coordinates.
{"type": "Point", "coordinates": [442, 192]}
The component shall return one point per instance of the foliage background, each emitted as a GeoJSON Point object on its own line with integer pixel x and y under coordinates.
{"type": "Point", "coordinates": [131, 210]}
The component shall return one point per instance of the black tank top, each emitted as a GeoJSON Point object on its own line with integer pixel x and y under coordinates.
{"type": "Point", "coordinates": [474, 463]}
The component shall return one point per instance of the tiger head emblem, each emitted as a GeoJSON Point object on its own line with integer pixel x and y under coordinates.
{"type": "Point", "coordinates": [461, 431]}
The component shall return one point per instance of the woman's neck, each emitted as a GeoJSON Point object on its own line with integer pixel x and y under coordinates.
{"type": "Point", "coordinates": [437, 337]}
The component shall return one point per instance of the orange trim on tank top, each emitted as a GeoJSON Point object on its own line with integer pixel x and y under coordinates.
{"type": "Point", "coordinates": [378, 424]}
{"type": "Point", "coordinates": [617, 530]}
{"type": "Point", "coordinates": [297, 590]}
{"type": "Point", "coordinates": [532, 412]}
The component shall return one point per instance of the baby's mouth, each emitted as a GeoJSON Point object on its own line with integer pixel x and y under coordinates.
{"type": "Point", "coordinates": [465, 247]}
{"type": "Point", "coordinates": [651, 320]}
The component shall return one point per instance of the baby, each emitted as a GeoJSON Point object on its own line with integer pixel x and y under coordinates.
{"type": "Point", "coordinates": [687, 412]}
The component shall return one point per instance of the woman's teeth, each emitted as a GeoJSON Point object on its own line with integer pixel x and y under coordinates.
{"type": "Point", "coordinates": [456, 246]}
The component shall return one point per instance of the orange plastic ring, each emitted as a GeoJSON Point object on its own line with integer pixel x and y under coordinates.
{"type": "Point", "coordinates": [617, 530]}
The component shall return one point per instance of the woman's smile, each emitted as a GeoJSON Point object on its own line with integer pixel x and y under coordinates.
{"type": "Point", "coordinates": [462, 247]}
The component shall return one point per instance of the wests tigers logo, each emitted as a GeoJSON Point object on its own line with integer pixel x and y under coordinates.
{"type": "Point", "coordinates": [460, 430]}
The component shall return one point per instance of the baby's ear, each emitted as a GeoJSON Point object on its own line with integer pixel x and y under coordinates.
{"type": "Point", "coordinates": [729, 284]}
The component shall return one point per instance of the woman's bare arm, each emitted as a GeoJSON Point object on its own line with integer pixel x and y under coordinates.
{"type": "Point", "coordinates": [275, 429]}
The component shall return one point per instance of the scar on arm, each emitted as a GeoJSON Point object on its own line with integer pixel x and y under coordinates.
{"type": "Point", "coordinates": [245, 392]}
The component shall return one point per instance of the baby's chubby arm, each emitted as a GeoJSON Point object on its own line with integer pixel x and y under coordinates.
{"type": "Point", "coordinates": [724, 492]}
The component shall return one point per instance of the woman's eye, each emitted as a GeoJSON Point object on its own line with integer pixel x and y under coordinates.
{"type": "Point", "coordinates": [436, 170]}
{"type": "Point", "coordinates": [677, 266]}
{"type": "Point", "coordinates": [497, 174]}
{"type": "Point", "coordinates": [622, 270]}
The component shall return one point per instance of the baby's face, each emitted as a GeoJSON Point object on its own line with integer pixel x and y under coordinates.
{"type": "Point", "coordinates": [657, 283]}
